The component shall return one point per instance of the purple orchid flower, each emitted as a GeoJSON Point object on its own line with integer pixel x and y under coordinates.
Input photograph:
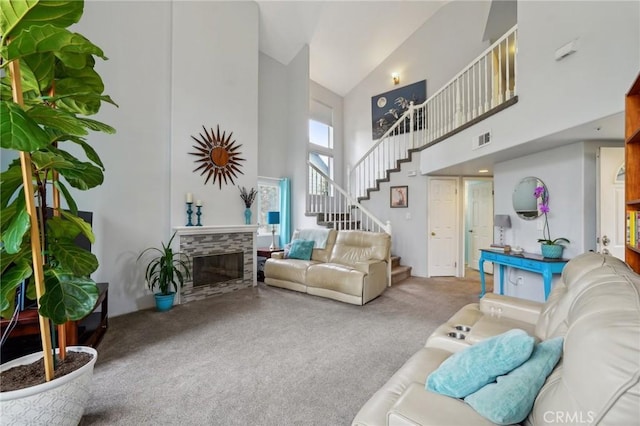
{"type": "Point", "coordinates": [538, 191]}
{"type": "Point", "coordinates": [544, 208]}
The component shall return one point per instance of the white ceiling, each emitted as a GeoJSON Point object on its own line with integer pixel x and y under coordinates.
{"type": "Point", "coordinates": [347, 39]}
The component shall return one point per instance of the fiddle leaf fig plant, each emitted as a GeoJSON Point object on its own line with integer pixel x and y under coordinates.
{"type": "Point", "coordinates": [48, 88]}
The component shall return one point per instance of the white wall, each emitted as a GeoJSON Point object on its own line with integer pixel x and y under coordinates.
{"type": "Point", "coordinates": [213, 82]}
{"type": "Point", "coordinates": [171, 70]}
{"type": "Point", "coordinates": [296, 154]}
{"type": "Point", "coordinates": [437, 51]}
{"type": "Point", "coordinates": [408, 225]}
{"type": "Point", "coordinates": [557, 95]}
{"type": "Point", "coordinates": [273, 136]}
{"type": "Point", "coordinates": [131, 207]}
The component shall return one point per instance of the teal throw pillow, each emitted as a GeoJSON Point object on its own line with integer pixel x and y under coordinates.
{"type": "Point", "coordinates": [511, 398]}
{"type": "Point", "coordinates": [470, 369]}
{"type": "Point", "coordinates": [301, 249]}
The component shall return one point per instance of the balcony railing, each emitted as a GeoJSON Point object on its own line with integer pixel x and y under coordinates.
{"type": "Point", "coordinates": [479, 90]}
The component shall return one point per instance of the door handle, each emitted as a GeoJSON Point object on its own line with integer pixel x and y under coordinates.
{"type": "Point", "coordinates": [433, 234]}
{"type": "Point", "coordinates": [470, 230]}
{"type": "Point", "coordinates": [605, 240]}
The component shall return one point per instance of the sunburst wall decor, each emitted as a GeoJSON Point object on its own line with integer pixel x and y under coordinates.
{"type": "Point", "coordinates": [219, 156]}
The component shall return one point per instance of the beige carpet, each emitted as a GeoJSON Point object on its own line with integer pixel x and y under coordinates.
{"type": "Point", "coordinates": [264, 356]}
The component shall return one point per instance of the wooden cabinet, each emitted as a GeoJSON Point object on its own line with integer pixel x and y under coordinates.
{"type": "Point", "coordinates": [24, 336]}
{"type": "Point", "coordinates": [632, 168]}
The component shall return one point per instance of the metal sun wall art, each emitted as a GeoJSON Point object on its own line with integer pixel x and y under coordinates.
{"type": "Point", "coordinates": [219, 156]}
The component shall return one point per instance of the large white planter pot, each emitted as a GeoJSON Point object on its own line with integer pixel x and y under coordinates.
{"type": "Point", "coordinates": [58, 402]}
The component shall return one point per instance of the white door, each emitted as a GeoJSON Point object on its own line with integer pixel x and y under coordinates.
{"type": "Point", "coordinates": [442, 227]}
{"type": "Point", "coordinates": [611, 211]}
{"type": "Point", "coordinates": [480, 205]}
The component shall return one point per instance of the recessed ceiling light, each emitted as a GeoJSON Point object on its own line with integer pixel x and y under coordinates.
{"type": "Point", "coordinates": [483, 171]}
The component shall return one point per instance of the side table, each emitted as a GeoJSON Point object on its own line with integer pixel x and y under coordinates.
{"type": "Point", "coordinates": [263, 255]}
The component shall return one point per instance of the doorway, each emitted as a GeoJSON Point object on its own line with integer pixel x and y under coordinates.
{"type": "Point", "coordinates": [443, 227]}
{"type": "Point", "coordinates": [478, 220]}
{"type": "Point", "coordinates": [611, 205]}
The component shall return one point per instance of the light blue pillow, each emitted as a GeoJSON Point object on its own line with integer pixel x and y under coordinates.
{"type": "Point", "coordinates": [470, 369]}
{"type": "Point", "coordinates": [510, 399]}
{"type": "Point", "coordinates": [301, 249]}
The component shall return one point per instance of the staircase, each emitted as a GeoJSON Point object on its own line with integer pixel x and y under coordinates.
{"type": "Point", "coordinates": [399, 272]}
{"type": "Point", "coordinates": [485, 87]}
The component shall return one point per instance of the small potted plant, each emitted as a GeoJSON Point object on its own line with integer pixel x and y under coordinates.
{"type": "Point", "coordinates": [550, 248]}
{"type": "Point", "coordinates": [167, 271]}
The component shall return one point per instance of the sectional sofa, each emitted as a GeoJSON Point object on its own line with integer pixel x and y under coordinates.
{"type": "Point", "coordinates": [352, 267]}
{"type": "Point", "coordinates": [595, 307]}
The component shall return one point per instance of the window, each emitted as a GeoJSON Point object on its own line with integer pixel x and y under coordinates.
{"type": "Point", "coordinates": [320, 134]}
{"type": "Point", "coordinates": [320, 147]}
{"type": "Point", "coordinates": [268, 200]}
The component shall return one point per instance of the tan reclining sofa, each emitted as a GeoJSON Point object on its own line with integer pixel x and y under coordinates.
{"type": "Point", "coordinates": [352, 268]}
{"type": "Point", "coordinates": [595, 307]}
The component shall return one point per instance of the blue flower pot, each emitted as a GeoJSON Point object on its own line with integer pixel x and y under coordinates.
{"type": "Point", "coordinates": [164, 302]}
{"type": "Point", "coordinates": [247, 216]}
{"type": "Point", "coordinates": [551, 251]}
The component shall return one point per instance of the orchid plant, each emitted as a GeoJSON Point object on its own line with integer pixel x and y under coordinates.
{"type": "Point", "coordinates": [541, 193]}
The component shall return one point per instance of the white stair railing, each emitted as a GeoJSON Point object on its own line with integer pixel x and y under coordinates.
{"type": "Point", "coordinates": [335, 208]}
{"type": "Point", "coordinates": [486, 83]}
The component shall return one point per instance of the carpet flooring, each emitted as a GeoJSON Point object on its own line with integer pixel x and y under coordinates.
{"type": "Point", "coordinates": [264, 356]}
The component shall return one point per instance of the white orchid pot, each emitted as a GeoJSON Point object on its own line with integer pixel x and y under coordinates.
{"type": "Point", "coordinates": [58, 402]}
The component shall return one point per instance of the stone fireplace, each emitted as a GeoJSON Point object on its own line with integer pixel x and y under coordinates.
{"type": "Point", "coordinates": [222, 259]}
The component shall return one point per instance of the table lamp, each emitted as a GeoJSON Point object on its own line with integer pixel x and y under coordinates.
{"type": "Point", "coordinates": [273, 219]}
{"type": "Point", "coordinates": [502, 221]}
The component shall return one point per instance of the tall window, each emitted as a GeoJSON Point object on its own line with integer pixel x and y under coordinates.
{"type": "Point", "coordinates": [320, 146]}
{"type": "Point", "coordinates": [268, 200]}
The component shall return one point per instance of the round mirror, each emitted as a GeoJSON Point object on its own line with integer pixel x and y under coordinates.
{"type": "Point", "coordinates": [525, 203]}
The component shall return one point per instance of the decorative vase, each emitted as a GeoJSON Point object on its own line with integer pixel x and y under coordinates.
{"type": "Point", "coordinates": [551, 251]}
{"type": "Point", "coordinates": [60, 401]}
{"type": "Point", "coordinates": [164, 302]}
{"type": "Point", "coordinates": [247, 216]}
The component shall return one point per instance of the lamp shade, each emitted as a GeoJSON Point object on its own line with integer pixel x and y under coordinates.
{"type": "Point", "coordinates": [502, 220]}
{"type": "Point", "coordinates": [273, 218]}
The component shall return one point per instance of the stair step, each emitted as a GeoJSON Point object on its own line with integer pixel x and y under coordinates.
{"type": "Point", "coordinates": [395, 261]}
{"type": "Point", "coordinates": [400, 273]}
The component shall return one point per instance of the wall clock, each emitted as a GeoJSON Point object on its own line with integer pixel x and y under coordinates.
{"type": "Point", "coordinates": [219, 156]}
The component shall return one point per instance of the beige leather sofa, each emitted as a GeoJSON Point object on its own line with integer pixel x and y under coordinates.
{"type": "Point", "coordinates": [595, 306]}
{"type": "Point", "coordinates": [352, 268]}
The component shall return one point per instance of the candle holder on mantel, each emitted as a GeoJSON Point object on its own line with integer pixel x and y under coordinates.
{"type": "Point", "coordinates": [198, 213]}
{"type": "Point", "coordinates": [189, 213]}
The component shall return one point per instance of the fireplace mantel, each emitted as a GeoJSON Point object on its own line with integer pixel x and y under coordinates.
{"type": "Point", "coordinates": [214, 229]}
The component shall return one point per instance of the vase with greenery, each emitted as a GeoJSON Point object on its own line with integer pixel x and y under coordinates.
{"type": "Point", "coordinates": [48, 89]}
{"type": "Point", "coordinates": [551, 248]}
{"type": "Point", "coordinates": [167, 272]}
{"type": "Point", "coordinates": [247, 198]}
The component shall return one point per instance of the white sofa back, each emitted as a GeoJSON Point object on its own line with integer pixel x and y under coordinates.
{"type": "Point", "coordinates": [359, 246]}
{"type": "Point", "coordinates": [596, 307]}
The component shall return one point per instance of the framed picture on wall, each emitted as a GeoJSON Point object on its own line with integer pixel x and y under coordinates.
{"type": "Point", "coordinates": [399, 196]}
{"type": "Point", "coordinates": [388, 107]}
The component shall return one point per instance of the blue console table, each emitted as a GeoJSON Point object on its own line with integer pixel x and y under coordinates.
{"type": "Point", "coordinates": [527, 261]}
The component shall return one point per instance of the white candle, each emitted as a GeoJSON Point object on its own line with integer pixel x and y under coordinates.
{"type": "Point", "coordinates": [189, 197]}
{"type": "Point", "coordinates": [199, 203]}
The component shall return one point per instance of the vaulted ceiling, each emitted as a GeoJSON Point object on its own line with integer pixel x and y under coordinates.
{"type": "Point", "coordinates": [347, 39]}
